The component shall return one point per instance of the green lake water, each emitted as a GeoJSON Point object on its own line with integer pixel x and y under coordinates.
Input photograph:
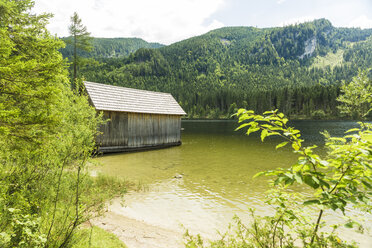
{"type": "Point", "coordinates": [217, 165]}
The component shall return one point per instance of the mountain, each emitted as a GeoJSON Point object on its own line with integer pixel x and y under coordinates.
{"type": "Point", "coordinates": [109, 47]}
{"type": "Point", "coordinates": [297, 69]}
{"type": "Point", "coordinates": [249, 45]}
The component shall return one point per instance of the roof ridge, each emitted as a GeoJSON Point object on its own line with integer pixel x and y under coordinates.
{"type": "Point", "coordinates": [122, 99]}
{"type": "Point", "coordinates": [122, 87]}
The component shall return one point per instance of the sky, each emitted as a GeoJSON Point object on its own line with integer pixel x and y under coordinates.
{"type": "Point", "coordinates": [169, 21]}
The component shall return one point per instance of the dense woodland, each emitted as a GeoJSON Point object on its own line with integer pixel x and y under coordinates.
{"type": "Point", "coordinates": [108, 47]}
{"type": "Point", "coordinates": [212, 75]}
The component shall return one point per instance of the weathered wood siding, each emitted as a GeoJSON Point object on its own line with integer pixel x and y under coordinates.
{"type": "Point", "coordinates": [153, 129]}
{"type": "Point", "coordinates": [128, 131]}
{"type": "Point", "coordinates": [115, 131]}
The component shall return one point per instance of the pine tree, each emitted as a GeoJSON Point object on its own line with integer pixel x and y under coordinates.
{"type": "Point", "coordinates": [81, 40]}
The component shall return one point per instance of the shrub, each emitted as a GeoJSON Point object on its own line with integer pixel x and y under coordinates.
{"type": "Point", "coordinates": [318, 114]}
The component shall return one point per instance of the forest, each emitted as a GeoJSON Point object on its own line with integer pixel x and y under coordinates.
{"type": "Point", "coordinates": [297, 69]}
{"type": "Point", "coordinates": [108, 47]}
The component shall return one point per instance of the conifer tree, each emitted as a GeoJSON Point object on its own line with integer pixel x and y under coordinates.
{"type": "Point", "coordinates": [81, 40]}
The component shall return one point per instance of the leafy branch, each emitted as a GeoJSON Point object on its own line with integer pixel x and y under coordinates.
{"type": "Point", "coordinates": [342, 177]}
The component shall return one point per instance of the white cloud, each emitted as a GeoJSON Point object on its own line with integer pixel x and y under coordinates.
{"type": "Point", "coordinates": [280, 1]}
{"type": "Point", "coordinates": [297, 20]}
{"type": "Point", "coordinates": [361, 22]}
{"type": "Point", "coordinates": [164, 21]}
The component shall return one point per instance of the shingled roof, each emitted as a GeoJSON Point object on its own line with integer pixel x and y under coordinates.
{"type": "Point", "coordinates": [121, 99]}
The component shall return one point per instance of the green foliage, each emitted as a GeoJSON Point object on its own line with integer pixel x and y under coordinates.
{"type": "Point", "coordinates": [343, 176]}
{"type": "Point", "coordinates": [336, 178]}
{"type": "Point", "coordinates": [95, 237]}
{"type": "Point", "coordinates": [47, 134]}
{"type": "Point", "coordinates": [318, 114]}
{"type": "Point", "coordinates": [356, 99]}
{"type": "Point", "coordinates": [93, 195]}
{"type": "Point", "coordinates": [331, 59]}
{"type": "Point", "coordinates": [290, 41]}
{"type": "Point", "coordinates": [360, 54]}
{"type": "Point", "coordinates": [289, 226]}
{"type": "Point", "coordinates": [254, 68]}
{"type": "Point", "coordinates": [108, 47]}
{"type": "Point", "coordinates": [80, 36]}
{"type": "Point", "coordinates": [25, 229]}
{"type": "Point", "coordinates": [340, 178]}
{"type": "Point", "coordinates": [80, 40]}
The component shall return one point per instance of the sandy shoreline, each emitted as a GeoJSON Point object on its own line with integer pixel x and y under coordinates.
{"type": "Point", "coordinates": [138, 234]}
{"type": "Point", "coordinates": [152, 219]}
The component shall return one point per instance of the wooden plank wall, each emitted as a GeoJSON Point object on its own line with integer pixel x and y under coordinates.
{"type": "Point", "coordinates": [136, 130]}
{"type": "Point", "coordinates": [152, 129]}
{"type": "Point", "coordinates": [115, 131]}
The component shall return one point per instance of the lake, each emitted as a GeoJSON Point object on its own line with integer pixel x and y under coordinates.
{"type": "Point", "coordinates": [217, 165]}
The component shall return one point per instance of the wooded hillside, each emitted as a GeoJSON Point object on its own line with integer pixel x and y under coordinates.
{"type": "Point", "coordinates": [109, 47]}
{"type": "Point", "coordinates": [214, 74]}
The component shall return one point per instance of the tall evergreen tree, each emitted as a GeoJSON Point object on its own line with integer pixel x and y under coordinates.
{"type": "Point", "coordinates": [81, 40]}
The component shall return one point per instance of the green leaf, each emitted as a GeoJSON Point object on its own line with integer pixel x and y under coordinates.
{"type": "Point", "coordinates": [259, 174]}
{"type": "Point", "coordinates": [252, 130]}
{"type": "Point", "coordinates": [352, 130]}
{"type": "Point", "coordinates": [242, 126]}
{"type": "Point", "coordinates": [241, 111]}
{"type": "Point", "coordinates": [281, 144]}
{"type": "Point", "coordinates": [267, 112]}
{"type": "Point", "coordinates": [288, 181]}
{"type": "Point", "coordinates": [316, 180]}
{"type": "Point", "coordinates": [295, 146]}
{"type": "Point", "coordinates": [295, 131]}
{"type": "Point", "coordinates": [324, 163]}
{"type": "Point", "coordinates": [324, 183]}
{"type": "Point", "coordinates": [273, 133]}
{"type": "Point", "coordinates": [367, 137]}
{"type": "Point", "coordinates": [338, 139]}
{"type": "Point", "coordinates": [298, 177]}
{"type": "Point", "coordinates": [11, 210]}
{"type": "Point", "coordinates": [289, 175]}
{"type": "Point", "coordinates": [263, 134]}
{"type": "Point", "coordinates": [367, 165]}
{"type": "Point", "coordinates": [309, 180]}
{"type": "Point", "coordinates": [311, 202]}
{"type": "Point", "coordinates": [368, 185]}
{"type": "Point", "coordinates": [350, 224]}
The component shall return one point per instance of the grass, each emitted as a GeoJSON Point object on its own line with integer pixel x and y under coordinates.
{"type": "Point", "coordinates": [331, 59]}
{"type": "Point", "coordinates": [96, 238]}
{"type": "Point", "coordinates": [101, 188]}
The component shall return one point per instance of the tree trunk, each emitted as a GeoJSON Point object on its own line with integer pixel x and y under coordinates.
{"type": "Point", "coordinates": [75, 62]}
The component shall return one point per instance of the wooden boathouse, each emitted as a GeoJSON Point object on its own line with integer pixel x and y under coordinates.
{"type": "Point", "coordinates": [138, 119]}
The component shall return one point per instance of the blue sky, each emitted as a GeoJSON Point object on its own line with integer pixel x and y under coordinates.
{"type": "Point", "coordinates": [168, 21]}
{"type": "Point", "coordinates": [269, 13]}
